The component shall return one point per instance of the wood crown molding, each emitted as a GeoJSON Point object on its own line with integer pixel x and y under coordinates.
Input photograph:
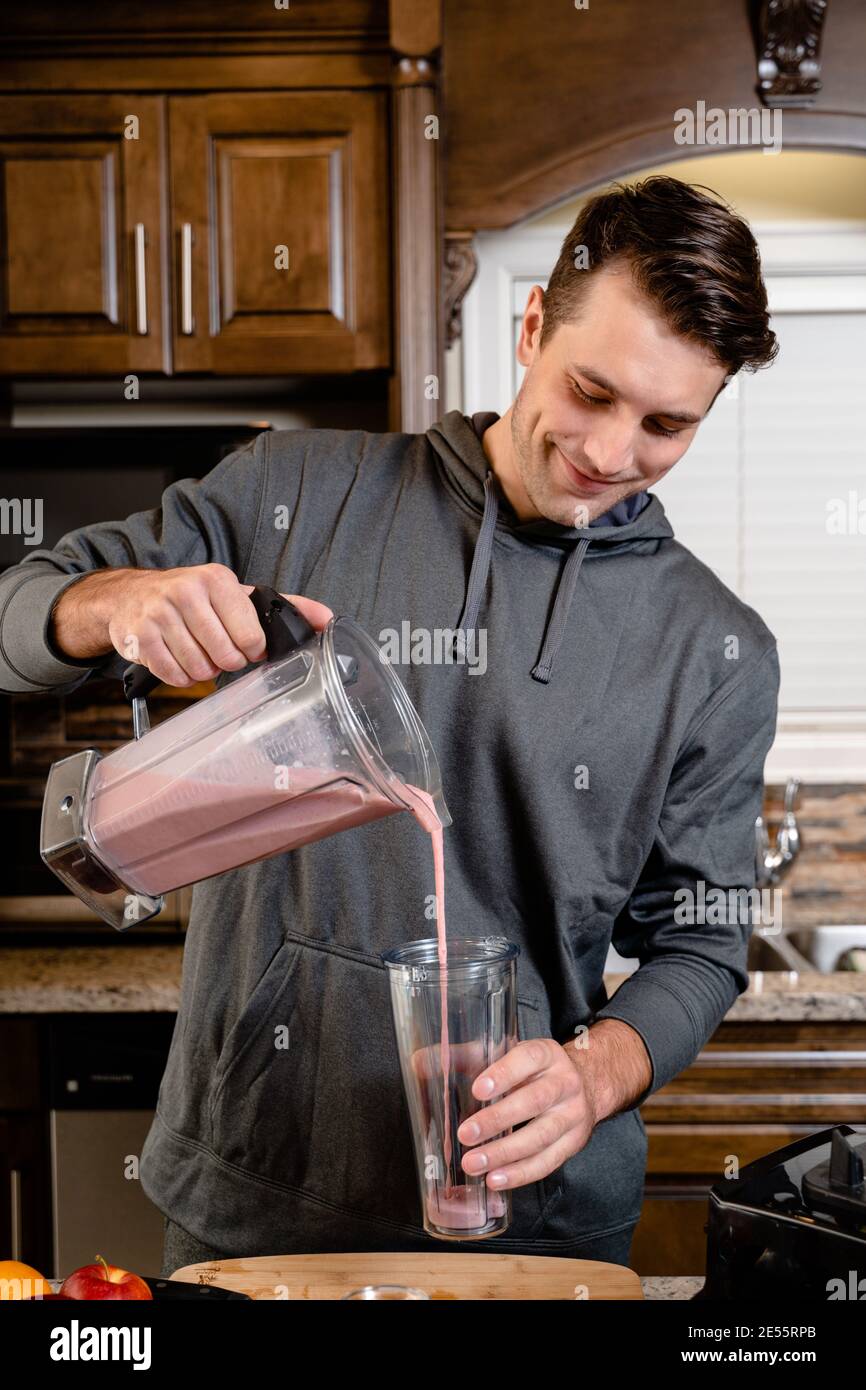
{"type": "Point", "coordinates": [543, 102]}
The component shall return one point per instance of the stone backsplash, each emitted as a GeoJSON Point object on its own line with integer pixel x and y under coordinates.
{"type": "Point", "coordinates": [827, 882]}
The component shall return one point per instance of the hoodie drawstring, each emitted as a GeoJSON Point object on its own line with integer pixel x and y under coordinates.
{"type": "Point", "coordinates": [482, 556]}
{"type": "Point", "coordinates": [555, 628]}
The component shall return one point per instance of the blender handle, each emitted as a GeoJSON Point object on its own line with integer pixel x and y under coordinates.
{"type": "Point", "coordinates": [285, 629]}
{"type": "Point", "coordinates": [285, 626]}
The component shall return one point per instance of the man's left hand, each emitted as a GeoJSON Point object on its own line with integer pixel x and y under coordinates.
{"type": "Point", "coordinates": [558, 1094]}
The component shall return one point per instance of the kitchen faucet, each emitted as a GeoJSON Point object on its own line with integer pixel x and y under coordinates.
{"type": "Point", "coordinates": [773, 864]}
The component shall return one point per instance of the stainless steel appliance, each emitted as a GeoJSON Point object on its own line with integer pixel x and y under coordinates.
{"type": "Point", "coordinates": [104, 1072]}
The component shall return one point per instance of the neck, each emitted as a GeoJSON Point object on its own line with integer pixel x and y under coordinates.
{"type": "Point", "coordinates": [498, 446]}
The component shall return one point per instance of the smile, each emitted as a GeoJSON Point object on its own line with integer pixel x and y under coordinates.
{"type": "Point", "coordinates": [579, 480]}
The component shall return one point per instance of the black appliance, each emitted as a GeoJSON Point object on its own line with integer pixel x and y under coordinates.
{"type": "Point", "coordinates": [793, 1225]}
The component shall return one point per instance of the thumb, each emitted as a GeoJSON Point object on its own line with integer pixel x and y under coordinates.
{"type": "Point", "coordinates": [317, 614]}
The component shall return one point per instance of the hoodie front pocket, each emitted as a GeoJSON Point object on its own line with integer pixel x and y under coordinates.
{"type": "Point", "coordinates": [269, 1001]}
{"type": "Point", "coordinates": [309, 1093]}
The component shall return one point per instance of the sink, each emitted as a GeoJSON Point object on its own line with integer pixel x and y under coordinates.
{"type": "Point", "coordinates": [776, 953]}
{"type": "Point", "coordinates": [824, 945]}
{"type": "Point", "coordinates": [809, 949]}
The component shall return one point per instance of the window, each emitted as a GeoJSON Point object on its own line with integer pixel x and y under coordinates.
{"type": "Point", "coordinates": [772, 493]}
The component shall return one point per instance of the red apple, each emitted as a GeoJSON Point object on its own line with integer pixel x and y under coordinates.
{"type": "Point", "coordinates": [103, 1281]}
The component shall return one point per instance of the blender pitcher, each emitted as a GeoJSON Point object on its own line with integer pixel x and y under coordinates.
{"type": "Point", "coordinates": [321, 737]}
{"type": "Point", "coordinates": [451, 1023]}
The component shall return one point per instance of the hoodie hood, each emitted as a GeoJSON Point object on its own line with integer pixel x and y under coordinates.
{"type": "Point", "coordinates": [456, 440]}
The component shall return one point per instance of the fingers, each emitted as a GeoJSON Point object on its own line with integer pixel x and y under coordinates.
{"type": "Point", "coordinates": [226, 646]}
{"type": "Point", "coordinates": [546, 1097]}
{"type": "Point", "coordinates": [156, 656]}
{"type": "Point", "coordinates": [534, 1166]}
{"type": "Point", "coordinates": [191, 623]}
{"type": "Point", "coordinates": [183, 651]}
{"type": "Point", "coordinates": [543, 1132]}
{"type": "Point", "coordinates": [518, 1065]}
{"type": "Point", "coordinates": [230, 621]}
{"type": "Point", "coordinates": [519, 1105]}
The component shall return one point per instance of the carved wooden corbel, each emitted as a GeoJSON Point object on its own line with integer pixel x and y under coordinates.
{"type": "Point", "coordinates": [789, 49]}
{"type": "Point", "coordinates": [461, 265]}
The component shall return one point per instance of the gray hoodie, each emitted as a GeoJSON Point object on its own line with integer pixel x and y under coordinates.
{"type": "Point", "coordinates": [609, 753]}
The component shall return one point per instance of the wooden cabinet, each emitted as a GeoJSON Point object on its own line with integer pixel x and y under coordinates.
{"type": "Point", "coordinates": [81, 234]}
{"type": "Point", "coordinates": [755, 1088]}
{"type": "Point", "coordinates": [280, 224]}
{"type": "Point", "coordinates": [230, 233]}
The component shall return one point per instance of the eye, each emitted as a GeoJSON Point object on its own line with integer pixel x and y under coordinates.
{"type": "Point", "coordinates": [660, 429]}
{"type": "Point", "coordinates": [590, 400]}
{"type": "Point", "coordinates": [601, 400]}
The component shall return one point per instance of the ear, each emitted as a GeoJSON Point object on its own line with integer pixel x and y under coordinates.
{"type": "Point", "coordinates": [530, 328]}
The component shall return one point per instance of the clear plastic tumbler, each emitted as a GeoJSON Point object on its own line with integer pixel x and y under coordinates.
{"type": "Point", "coordinates": [439, 1065]}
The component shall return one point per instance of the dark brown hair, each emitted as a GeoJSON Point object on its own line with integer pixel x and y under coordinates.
{"type": "Point", "coordinates": [690, 254]}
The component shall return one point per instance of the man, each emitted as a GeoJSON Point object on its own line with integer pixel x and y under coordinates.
{"type": "Point", "coordinates": [606, 755]}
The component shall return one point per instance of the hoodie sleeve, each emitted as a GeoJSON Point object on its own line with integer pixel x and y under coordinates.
{"type": "Point", "coordinates": [199, 521]}
{"type": "Point", "coordinates": [691, 972]}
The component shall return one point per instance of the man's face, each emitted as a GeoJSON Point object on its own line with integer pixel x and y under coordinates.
{"type": "Point", "coordinates": [610, 405]}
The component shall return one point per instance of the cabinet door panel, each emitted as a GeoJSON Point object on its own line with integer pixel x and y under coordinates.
{"type": "Point", "coordinates": [81, 227]}
{"type": "Point", "coordinates": [263, 191]}
{"type": "Point", "coordinates": [42, 199]}
{"type": "Point", "coordinates": [280, 209]}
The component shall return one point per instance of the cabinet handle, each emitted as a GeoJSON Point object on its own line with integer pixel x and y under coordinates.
{"type": "Point", "coordinates": [16, 1213]}
{"type": "Point", "coordinates": [186, 279]}
{"type": "Point", "coordinates": [140, 281]}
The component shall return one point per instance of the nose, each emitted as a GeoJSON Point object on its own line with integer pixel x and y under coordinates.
{"type": "Point", "coordinates": [608, 447]}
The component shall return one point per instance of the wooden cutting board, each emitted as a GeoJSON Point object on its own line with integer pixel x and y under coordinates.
{"type": "Point", "coordinates": [442, 1276]}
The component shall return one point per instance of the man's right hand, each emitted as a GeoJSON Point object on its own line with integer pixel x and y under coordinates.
{"type": "Point", "coordinates": [184, 625]}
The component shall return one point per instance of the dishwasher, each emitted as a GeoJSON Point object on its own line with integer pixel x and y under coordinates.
{"type": "Point", "coordinates": [104, 1072]}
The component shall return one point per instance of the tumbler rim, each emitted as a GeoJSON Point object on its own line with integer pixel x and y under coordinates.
{"type": "Point", "coordinates": [497, 950]}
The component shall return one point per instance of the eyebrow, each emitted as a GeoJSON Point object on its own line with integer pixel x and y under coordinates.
{"type": "Point", "coordinates": [683, 417]}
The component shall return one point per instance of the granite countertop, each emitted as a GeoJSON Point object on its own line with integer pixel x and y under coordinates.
{"type": "Point", "coordinates": [667, 1286]}
{"type": "Point", "coordinates": [146, 979]}
{"type": "Point", "coordinates": [786, 997]}
{"type": "Point", "coordinates": [119, 978]}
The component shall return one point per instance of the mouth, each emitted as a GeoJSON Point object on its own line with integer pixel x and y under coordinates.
{"type": "Point", "coordinates": [581, 482]}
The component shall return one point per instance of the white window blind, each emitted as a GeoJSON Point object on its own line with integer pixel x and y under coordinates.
{"type": "Point", "coordinates": [753, 495]}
